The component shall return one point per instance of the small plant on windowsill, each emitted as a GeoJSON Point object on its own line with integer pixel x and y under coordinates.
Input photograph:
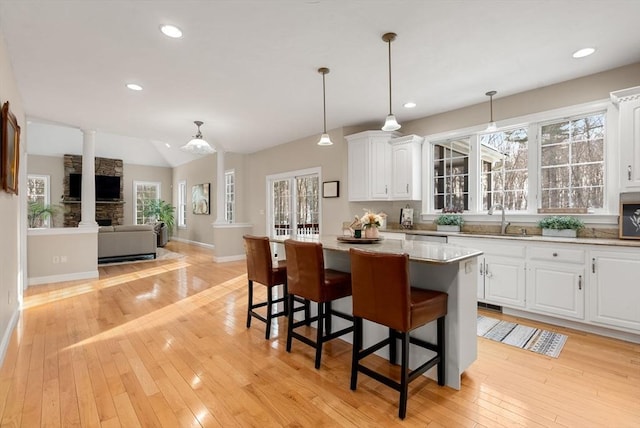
{"type": "Point", "coordinates": [560, 226]}
{"type": "Point", "coordinates": [449, 222]}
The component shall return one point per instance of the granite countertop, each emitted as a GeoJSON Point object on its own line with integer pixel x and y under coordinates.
{"type": "Point", "coordinates": [428, 252]}
{"type": "Point", "coordinates": [527, 238]}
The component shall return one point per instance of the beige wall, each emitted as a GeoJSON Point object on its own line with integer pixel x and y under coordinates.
{"type": "Point", "coordinates": [132, 173]}
{"type": "Point", "coordinates": [12, 250]}
{"type": "Point", "coordinates": [53, 167]}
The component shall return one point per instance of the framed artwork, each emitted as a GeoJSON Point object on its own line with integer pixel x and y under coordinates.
{"type": "Point", "coordinates": [331, 189]}
{"type": "Point", "coordinates": [200, 198]}
{"type": "Point", "coordinates": [406, 217]}
{"type": "Point", "coordinates": [10, 157]}
{"type": "Point", "coordinates": [629, 223]}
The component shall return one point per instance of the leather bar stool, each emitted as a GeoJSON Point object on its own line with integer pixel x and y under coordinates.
{"type": "Point", "coordinates": [260, 269]}
{"type": "Point", "coordinates": [382, 294]}
{"type": "Point", "coordinates": [308, 279]}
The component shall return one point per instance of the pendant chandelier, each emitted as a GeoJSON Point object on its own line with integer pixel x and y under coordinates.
{"type": "Point", "coordinates": [491, 127]}
{"type": "Point", "coordinates": [198, 145]}
{"type": "Point", "coordinates": [390, 124]}
{"type": "Point", "coordinates": [324, 138]}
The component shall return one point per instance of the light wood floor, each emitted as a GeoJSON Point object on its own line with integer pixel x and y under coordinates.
{"type": "Point", "coordinates": [164, 343]}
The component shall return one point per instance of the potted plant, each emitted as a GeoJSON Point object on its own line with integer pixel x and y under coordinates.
{"type": "Point", "coordinates": [37, 213]}
{"type": "Point", "coordinates": [449, 222]}
{"type": "Point", "coordinates": [560, 226]}
{"type": "Point", "coordinates": [161, 211]}
{"type": "Point", "coordinates": [370, 224]}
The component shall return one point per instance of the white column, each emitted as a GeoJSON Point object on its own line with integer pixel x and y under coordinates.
{"type": "Point", "coordinates": [88, 179]}
{"type": "Point", "coordinates": [220, 188]}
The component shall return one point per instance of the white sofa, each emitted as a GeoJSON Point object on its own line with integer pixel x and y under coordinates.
{"type": "Point", "coordinates": [126, 242]}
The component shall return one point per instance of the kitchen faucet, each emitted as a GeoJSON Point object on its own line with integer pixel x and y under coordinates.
{"type": "Point", "coordinates": [503, 223]}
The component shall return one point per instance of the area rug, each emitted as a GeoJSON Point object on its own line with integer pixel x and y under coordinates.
{"type": "Point", "coordinates": [161, 254]}
{"type": "Point", "coordinates": [530, 338]}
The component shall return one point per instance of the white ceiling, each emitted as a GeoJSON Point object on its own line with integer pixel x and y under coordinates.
{"type": "Point", "coordinates": [248, 69]}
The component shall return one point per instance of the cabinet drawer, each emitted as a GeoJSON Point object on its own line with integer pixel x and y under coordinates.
{"type": "Point", "coordinates": [565, 255]}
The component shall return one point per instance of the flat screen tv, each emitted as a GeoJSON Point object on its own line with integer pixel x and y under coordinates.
{"type": "Point", "coordinates": [107, 187]}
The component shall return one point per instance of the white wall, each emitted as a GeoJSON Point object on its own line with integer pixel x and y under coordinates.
{"type": "Point", "coordinates": [12, 250]}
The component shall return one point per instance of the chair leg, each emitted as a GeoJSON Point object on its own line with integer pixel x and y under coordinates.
{"type": "Point", "coordinates": [307, 311]}
{"type": "Point", "coordinates": [320, 335]}
{"type": "Point", "coordinates": [250, 304]}
{"type": "Point", "coordinates": [327, 318]}
{"type": "Point", "coordinates": [290, 323]}
{"type": "Point", "coordinates": [404, 375]}
{"type": "Point", "coordinates": [357, 346]}
{"type": "Point", "coordinates": [441, 364]}
{"type": "Point", "coordinates": [393, 347]}
{"type": "Point", "coordinates": [269, 312]}
{"type": "Point", "coordinates": [285, 295]}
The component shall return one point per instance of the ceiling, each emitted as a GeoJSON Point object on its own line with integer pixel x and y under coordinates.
{"type": "Point", "coordinates": [248, 69]}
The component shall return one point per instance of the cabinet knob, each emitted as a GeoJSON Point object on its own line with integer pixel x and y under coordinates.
{"type": "Point", "coordinates": [555, 254]}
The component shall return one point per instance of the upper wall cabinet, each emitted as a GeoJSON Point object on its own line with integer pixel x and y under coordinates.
{"type": "Point", "coordinates": [406, 168]}
{"type": "Point", "coordinates": [384, 166]}
{"type": "Point", "coordinates": [370, 165]}
{"type": "Point", "coordinates": [628, 101]}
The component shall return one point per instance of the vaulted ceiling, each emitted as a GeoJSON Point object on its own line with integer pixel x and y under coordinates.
{"type": "Point", "coordinates": [248, 69]}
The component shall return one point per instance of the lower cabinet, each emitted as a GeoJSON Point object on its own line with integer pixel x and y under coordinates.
{"type": "Point", "coordinates": [615, 288]}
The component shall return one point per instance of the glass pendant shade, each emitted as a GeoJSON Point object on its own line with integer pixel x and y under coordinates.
{"type": "Point", "coordinates": [491, 127]}
{"type": "Point", "coordinates": [325, 140]}
{"type": "Point", "coordinates": [198, 145]}
{"type": "Point", "coordinates": [391, 124]}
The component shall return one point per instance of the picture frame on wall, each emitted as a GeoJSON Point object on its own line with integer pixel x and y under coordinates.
{"type": "Point", "coordinates": [200, 198]}
{"type": "Point", "coordinates": [10, 153]}
{"type": "Point", "coordinates": [331, 189]}
{"type": "Point", "coordinates": [629, 220]}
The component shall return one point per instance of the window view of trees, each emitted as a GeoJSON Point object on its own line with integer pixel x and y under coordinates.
{"type": "Point", "coordinates": [145, 193]}
{"type": "Point", "coordinates": [505, 176]}
{"type": "Point", "coordinates": [451, 175]}
{"type": "Point", "coordinates": [307, 205]}
{"type": "Point", "coordinates": [572, 163]}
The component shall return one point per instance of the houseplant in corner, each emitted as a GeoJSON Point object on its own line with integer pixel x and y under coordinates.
{"type": "Point", "coordinates": [37, 213]}
{"type": "Point", "coordinates": [449, 222]}
{"type": "Point", "coordinates": [560, 226]}
{"type": "Point", "coordinates": [161, 212]}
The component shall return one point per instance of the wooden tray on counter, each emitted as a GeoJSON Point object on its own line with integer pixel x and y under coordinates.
{"type": "Point", "coordinates": [351, 240]}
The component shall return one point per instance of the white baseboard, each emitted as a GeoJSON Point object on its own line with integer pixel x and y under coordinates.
{"type": "Point", "coordinates": [199, 244]}
{"type": "Point", "coordinates": [64, 277]}
{"type": "Point", "coordinates": [6, 335]}
{"type": "Point", "coordinates": [229, 258]}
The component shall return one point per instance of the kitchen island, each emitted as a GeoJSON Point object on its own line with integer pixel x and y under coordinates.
{"type": "Point", "coordinates": [448, 268]}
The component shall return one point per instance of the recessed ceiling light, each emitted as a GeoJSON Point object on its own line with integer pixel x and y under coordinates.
{"type": "Point", "coordinates": [581, 53]}
{"type": "Point", "coordinates": [171, 31]}
{"type": "Point", "coordinates": [167, 145]}
{"type": "Point", "coordinates": [410, 104]}
{"type": "Point", "coordinates": [134, 87]}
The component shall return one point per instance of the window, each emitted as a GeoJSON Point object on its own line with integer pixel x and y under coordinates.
{"type": "Point", "coordinates": [451, 175]}
{"type": "Point", "coordinates": [295, 204]}
{"type": "Point", "coordinates": [144, 191]}
{"type": "Point", "coordinates": [504, 168]}
{"type": "Point", "coordinates": [182, 204]}
{"type": "Point", "coordinates": [38, 194]}
{"type": "Point", "coordinates": [572, 163]}
{"type": "Point", "coordinates": [229, 196]}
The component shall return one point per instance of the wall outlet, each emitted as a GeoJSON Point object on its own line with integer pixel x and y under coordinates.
{"type": "Point", "coordinates": [56, 260]}
{"type": "Point", "coordinates": [63, 259]}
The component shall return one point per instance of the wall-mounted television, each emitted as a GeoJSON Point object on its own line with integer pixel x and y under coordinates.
{"type": "Point", "coordinates": [107, 187]}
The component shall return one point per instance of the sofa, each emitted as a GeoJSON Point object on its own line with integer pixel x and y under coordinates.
{"type": "Point", "coordinates": [126, 242]}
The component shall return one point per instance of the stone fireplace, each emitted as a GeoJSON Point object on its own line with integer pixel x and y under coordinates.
{"type": "Point", "coordinates": [107, 212]}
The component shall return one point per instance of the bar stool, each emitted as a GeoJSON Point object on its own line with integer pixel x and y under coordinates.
{"type": "Point", "coordinates": [308, 279]}
{"type": "Point", "coordinates": [382, 294]}
{"type": "Point", "coordinates": [260, 269]}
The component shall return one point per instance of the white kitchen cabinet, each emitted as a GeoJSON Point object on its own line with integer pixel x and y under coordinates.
{"type": "Point", "coordinates": [369, 165]}
{"type": "Point", "coordinates": [556, 280]}
{"type": "Point", "coordinates": [628, 102]}
{"type": "Point", "coordinates": [615, 287]}
{"type": "Point", "coordinates": [406, 169]}
{"type": "Point", "coordinates": [501, 272]}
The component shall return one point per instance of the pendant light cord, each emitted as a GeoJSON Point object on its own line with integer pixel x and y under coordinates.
{"type": "Point", "coordinates": [389, 42]}
{"type": "Point", "coordinates": [324, 104]}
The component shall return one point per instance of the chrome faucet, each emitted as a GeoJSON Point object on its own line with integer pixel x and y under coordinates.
{"type": "Point", "coordinates": [503, 224]}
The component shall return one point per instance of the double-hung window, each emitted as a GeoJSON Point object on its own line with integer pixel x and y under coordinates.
{"type": "Point", "coordinates": [38, 199]}
{"type": "Point", "coordinates": [144, 192]}
{"type": "Point", "coordinates": [229, 196]}
{"type": "Point", "coordinates": [182, 204]}
{"type": "Point", "coordinates": [451, 174]}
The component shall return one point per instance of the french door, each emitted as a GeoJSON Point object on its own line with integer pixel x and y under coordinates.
{"type": "Point", "coordinates": [294, 203]}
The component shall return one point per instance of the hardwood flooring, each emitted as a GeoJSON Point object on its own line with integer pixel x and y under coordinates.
{"type": "Point", "coordinates": [164, 343]}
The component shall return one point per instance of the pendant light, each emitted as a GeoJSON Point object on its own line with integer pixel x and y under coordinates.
{"type": "Point", "coordinates": [492, 127]}
{"type": "Point", "coordinates": [324, 139]}
{"type": "Point", "coordinates": [198, 145]}
{"type": "Point", "coordinates": [390, 124]}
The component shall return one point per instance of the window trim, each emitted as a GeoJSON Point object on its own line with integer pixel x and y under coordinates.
{"type": "Point", "coordinates": [47, 193]}
{"type": "Point", "coordinates": [181, 216]}
{"type": "Point", "coordinates": [135, 195]}
{"type": "Point", "coordinates": [232, 173]}
{"type": "Point", "coordinates": [608, 215]}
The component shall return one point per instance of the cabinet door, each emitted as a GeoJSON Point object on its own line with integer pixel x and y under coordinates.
{"type": "Point", "coordinates": [359, 170]}
{"type": "Point", "coordinates": [556, 288]}
{"type": "Point", "coordinates": [504, 281]}
{"type": "Point", "coordinates": [380, 174]}
{"type": "Point", "coordinates": [615, 293]}
{"type": "Point", "coordinates": [629, 128]}
{"type": "Point", "coordinates": [406, 176]}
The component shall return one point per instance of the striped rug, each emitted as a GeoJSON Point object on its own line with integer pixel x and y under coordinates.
{"type": "Point", "coordinates": [532, 339]}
